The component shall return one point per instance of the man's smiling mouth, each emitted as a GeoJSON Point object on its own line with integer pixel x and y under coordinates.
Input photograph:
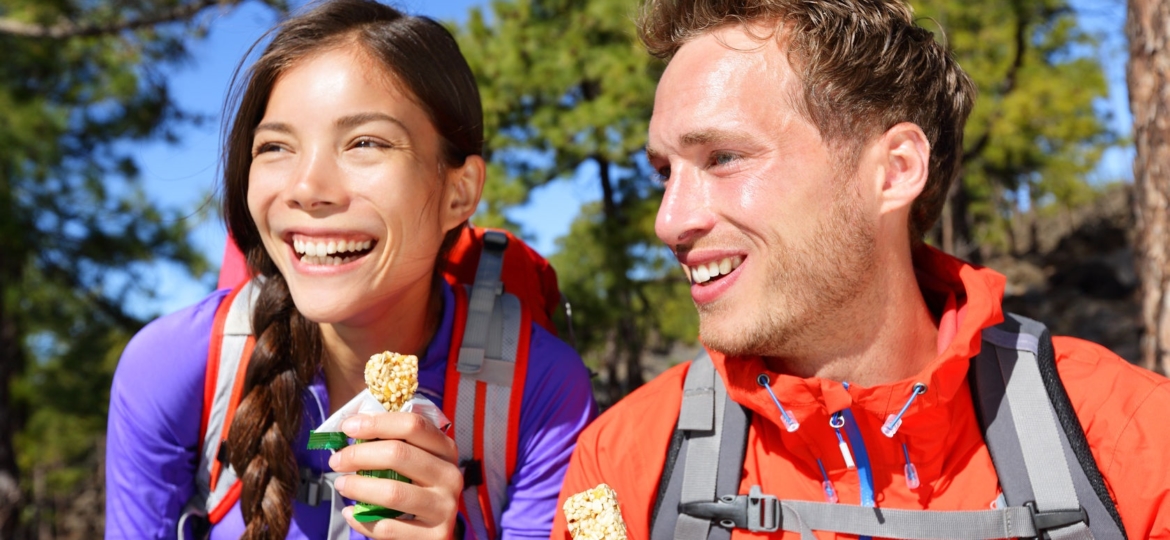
{"type": "Point", "coordinates": [713, 270]}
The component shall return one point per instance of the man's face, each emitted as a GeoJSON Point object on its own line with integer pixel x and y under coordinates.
{"type": "Point", "coordinates": [773, 230]}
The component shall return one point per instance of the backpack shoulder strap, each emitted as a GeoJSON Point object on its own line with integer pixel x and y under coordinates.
{"type": "Point", "coordinates": [230, 348]}
{"type": "Point", "coordinates": [485, 386]}
{"type": "Point", "coordinates": [705, 458]}
{"type": "Point", "coordinates": [1032, 432]}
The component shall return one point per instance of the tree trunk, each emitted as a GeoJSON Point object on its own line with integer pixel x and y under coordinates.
{"type": "Point", "coordinates": [1149, 98]}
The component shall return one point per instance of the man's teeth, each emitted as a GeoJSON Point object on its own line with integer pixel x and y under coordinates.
{"type": "Point", "coordinates": [703, 273]}
{"type": "Point", "coordinates": [324, 249]}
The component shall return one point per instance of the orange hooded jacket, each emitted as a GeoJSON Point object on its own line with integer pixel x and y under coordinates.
{"type": "Point", "coordinates": [1123, 410]}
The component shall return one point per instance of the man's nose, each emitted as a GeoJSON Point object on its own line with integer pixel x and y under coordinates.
{"type": "Point", "coordinates": [317, 183]}
{"type": "Point", "coordinates": [685, 212]}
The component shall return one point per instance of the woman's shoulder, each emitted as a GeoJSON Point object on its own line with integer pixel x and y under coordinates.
{"type": "Point", "coordinates": [170, 351]}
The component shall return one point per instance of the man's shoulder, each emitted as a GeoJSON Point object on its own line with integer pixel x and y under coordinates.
{"type": "Point", "coordinates": [1122, 409]}
{"type": "Point", "coordinates": [1098, 381]}
{"type": "Point", "coordinates": [655, 403]}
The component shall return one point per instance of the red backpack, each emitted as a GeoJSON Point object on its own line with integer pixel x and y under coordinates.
{"type": "Point", "coordinates": [501, 286]}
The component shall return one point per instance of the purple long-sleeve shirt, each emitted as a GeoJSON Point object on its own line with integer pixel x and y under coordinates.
{"type": "Point", "coordinates": [156, 405]}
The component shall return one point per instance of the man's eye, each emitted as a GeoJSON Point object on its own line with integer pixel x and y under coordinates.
{"type": "Point", "coordinates": [723, 158]}
{"type": "Point", "coordinates": [662, 174]}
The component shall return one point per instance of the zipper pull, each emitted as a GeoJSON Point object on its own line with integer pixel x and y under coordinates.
{"type": "Point", "coordinates": [837, 421]}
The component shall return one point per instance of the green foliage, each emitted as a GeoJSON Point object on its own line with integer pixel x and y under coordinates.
{"type": "Point", "coordinates": [567, 89]}
{"type": "Point", "coordinates": [1034, 134]}
{"type": "Point", "coordinates": [77, 233]}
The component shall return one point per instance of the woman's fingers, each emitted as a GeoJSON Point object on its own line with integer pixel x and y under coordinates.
{"type": "Point", "coordinates": [409, 427]}
{"type": "Point", "coordinates": [422, 467]}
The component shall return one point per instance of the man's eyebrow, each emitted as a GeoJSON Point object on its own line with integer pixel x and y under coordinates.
{"type": "Point", "coordinates": [709, 136]}
{"type": "Point", "coordinates": [700, 138]}
{"type": "Point", "coordinates": [652, 154]}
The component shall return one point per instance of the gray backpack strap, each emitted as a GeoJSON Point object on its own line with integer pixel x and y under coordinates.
{"type": "Point", "coordinates": [1033, 435]}
{"type": "Point", "coordinates": [487, 354]}
{"type": "Point", "coordinates": [709, 444]}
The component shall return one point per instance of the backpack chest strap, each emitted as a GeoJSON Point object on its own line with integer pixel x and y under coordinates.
{"type": "Point", "coordinates": [758, 512]}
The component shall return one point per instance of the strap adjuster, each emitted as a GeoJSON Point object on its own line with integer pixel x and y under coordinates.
{"type": "Point", "coordinates": [756, 511]}
{"type": "Point", "coordinates": [1055, 519]}
{"type": "Point", "coordinates": [312, 488]}
{"type": "Point", "coordinates": [495, 240]}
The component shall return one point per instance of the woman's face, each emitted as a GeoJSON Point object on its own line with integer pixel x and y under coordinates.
{"type": "Point", "coordinates": [347, 190]}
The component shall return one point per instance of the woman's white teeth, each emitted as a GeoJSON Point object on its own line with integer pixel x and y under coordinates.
{"type": "Point", "coordinates": [703, 273]}
{"type": "Point", "coordinates": [325, 249]}
{"type": "Point", "coordinates": [326, 260]}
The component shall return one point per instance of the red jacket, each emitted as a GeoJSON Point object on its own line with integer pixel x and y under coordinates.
{"type": "Point", "coordinates": [1122, 409]}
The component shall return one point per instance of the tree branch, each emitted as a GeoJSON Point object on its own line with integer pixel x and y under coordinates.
{"type": "Point", "coordinates": [70, 29]}
{"type": "Point", "coordinates": [1006, 86]}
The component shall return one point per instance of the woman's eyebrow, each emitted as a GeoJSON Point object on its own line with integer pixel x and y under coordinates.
{"type": "Point", "coordinates": [355, 120]}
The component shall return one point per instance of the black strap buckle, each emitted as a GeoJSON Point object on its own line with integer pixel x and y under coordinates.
{"type": "Point", "coordinates": [756, 511]}
{"type": "Point", "coordinates": [312, 488]}
{"type": "Point", "coordinates": [472, 472]}
{"type": "Point", "coordinates": [1055, 519]}
{"type": "Point", "coordinates": [495, 240]}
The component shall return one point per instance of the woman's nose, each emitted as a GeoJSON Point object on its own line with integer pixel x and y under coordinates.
{"type": "Point", "coordinates": [317, 183]}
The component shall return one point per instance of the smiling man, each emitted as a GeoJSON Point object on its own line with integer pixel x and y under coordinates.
{"type": "Point", "coordinates": [856, 382]}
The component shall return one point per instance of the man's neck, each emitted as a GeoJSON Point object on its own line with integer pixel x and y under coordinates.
{"type": "Point", "coordinates": [885, 334]}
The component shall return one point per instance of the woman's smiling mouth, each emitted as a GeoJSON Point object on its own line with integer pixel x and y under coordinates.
{"type": "Point", "coordinates": [331, 250]}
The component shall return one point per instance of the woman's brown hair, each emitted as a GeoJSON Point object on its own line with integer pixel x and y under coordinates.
{"type": "Point", "coordinates": [424, 60]}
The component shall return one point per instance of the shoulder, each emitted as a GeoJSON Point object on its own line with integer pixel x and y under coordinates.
{"type": "Point", "coordinates": [556, 384]}
{"type": "Point", "coordinates": [1099, 382]}
{"type": "Point", "coordinates": [655, 403]}
{"type": "Point", "coordinates": [1122, 409]}
{"type": "Point", "coordinates": [626, 448]}
{"type": "Point", "coordinates": [168, 357]}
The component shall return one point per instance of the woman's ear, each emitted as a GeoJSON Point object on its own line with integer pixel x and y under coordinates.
{"type": "Point", "coordinates": [906, 153]}
{"type": "Point", "coordinates": [463, 190]}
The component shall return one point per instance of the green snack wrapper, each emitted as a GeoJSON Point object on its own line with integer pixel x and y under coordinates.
{"type": "Point", "coordinates": [365, 513]}
{"type": "Point", "coordinates": [328, 436]}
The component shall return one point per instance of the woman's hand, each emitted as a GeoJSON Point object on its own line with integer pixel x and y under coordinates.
{"type": "Point", "coordinates": [412, 446]}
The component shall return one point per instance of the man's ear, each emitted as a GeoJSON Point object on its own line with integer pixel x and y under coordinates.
{"type": "Point", "coordinates": [463, 190]}
{"type": "Point", "coordinates": [905, 156]}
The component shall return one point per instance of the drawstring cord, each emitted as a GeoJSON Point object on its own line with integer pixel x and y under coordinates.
{"type": "Point", "coordinates": [790, 423]}
{"type": "Point", "coordinates": [895, 420]}
{"type": "Point", "coordinates": [911, 471]}
{"type": "Point", "coordinates": [837, 421]}
{"type": "Point", "coordinates": [830, 493]}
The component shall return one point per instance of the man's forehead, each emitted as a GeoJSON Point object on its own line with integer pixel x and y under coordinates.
{"type": "Point", "coordinates": [716, 84]}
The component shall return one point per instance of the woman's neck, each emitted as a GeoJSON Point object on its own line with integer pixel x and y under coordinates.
{"type": "Point", "coordinates": [406, 325]}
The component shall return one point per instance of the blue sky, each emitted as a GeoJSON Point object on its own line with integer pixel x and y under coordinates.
{"type": "Point", "coordinates": [183, 175]}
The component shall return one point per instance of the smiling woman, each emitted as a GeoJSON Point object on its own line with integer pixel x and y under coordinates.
{"type": "Point", "coordinates": [351, 167]}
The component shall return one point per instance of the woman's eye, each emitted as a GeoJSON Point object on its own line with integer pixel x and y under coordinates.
{"type": "Point", "coordinates": [265, 148]}
{"type": "Point", "coordinates": [366, 142]}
